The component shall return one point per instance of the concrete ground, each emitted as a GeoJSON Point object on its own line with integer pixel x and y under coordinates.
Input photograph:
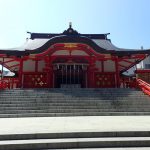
{"type": "Point", "coordinates": [124, 148]}
{"type": "Point", "coordinates": [74, 124]}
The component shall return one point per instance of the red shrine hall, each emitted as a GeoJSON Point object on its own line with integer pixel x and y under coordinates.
{"type": "Point", "coordinates": [68, 59]}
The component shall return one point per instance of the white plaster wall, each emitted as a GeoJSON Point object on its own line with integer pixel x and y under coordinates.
{"type": "Point", "coordinates": [141, 65]}
{"type": "Point", "coordinates": [98, 65]}
{"type": "Point", "coordinates": [66, 52]}
{"type": "Point", "coordinates": [109, 66]}
{"type": "Point", "coordinates": [61, 52]}
{"type": "Point", "coordinates": [146, 61]}
{"type": "Point", "coordinates": [29, 65]}
{"type": "Point", "coordinates": [41, 65]}
{"type": "Point", "coordinates": [79, 52]}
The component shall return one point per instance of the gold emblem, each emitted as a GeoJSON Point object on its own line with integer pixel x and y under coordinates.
{"type": "Point", "coordinates": [70, 45]}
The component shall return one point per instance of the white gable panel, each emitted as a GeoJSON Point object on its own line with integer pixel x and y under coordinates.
{"type": "Point", "coordinates": [99, 65]}
{"type": "Point", "coordinates": [109, 66]}
{"type": "Point", "coordinates": [29, 65]}
{"type": "Point", "coordinates": [79, 52]}
{"type": "Point", "coordinates": [41, 65]}
{"type": "Point", "coordinates": [61, 52]}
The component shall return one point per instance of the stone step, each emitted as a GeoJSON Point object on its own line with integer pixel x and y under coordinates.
{"type": "Point", "coordinates": [73, 95]}
{"type": "Point", "coordinates": [77, 94]}
{"type": "Point", "coordinates": [68, 91]}
{"type": "Point", "coordinates": [74, 102]}
{"type": "Point", "coordinates": [75, 105]}
{"type": "Point", "coordinates": [74, 114]}
{"type": "Point", "coordinates": [94, 104]}
{"type": "Point", "coordinates": [63, 102]}
{"type": "Point", "coordinates": [78, 89]}
{"type": "Point", "coordinates": [98, 104]}
{"type": "Point", "coordinates": [64, 106]}
{"type": "Point", "coordinates": [121, 90]}
{"type": "Point", "coordinates": [72, 111]}
{"type": "Point", "coordinates": [76, 98]}
{"type": "Point", "coordinates": [123, 148]}
{"type": "Point", "coordinates": [74, 91]}
{"type": "Point", "coordinates": [74, 135]}
{"type": "Point", "coordinates": [71, 143]}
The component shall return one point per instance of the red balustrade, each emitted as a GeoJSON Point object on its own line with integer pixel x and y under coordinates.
{"type": "Point", "coordinates": [128, 82]}
{"type": "Point", "coordinates": [9, 83]}
{"type": "Point", "coordinates": [35, 80]}
{"type": "Point", "coordinates": [104, 80]}
{"type": "Point", "coordinates": [144, 86]}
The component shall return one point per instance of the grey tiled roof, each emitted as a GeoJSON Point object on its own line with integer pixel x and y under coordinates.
{"type": "Point", "coordinates": [106, 44]}
{"type": "Point", "coordinates": [36, 43]}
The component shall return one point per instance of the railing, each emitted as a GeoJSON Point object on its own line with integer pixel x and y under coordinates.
{"type": "Point", "coordinates": [35, 80]}
{"type": "Point", "coordinates": [9, 83]}
{"type": "Point", "coordinates": [144, 86]}
{"type": "Point", "coordinates": [128, 82]}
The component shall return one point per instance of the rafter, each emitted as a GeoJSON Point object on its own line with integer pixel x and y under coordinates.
{"type": "Point", "coordinates": [14, 66]}
{"type": "Point", "coordinates": [10, 60]}
{"type": "Point", "coordinates": [122, 65]}
{"type": "Point", "coordinates": [130, 62]}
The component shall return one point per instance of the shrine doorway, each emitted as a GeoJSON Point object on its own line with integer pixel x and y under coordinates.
{"type": "Point", "coordinates": [70, 75]}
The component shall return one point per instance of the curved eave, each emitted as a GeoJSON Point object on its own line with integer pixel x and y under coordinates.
{"type": "Point", "coordinates": [14, 53]}
{"type": "Point", "coordinates": [69, 39]}
{"type": "Point", "coordinates": [132, 52]}
{"type": "Point", "coordinates": [72, 39]}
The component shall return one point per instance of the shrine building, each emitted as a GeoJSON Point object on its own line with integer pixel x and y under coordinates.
{"type": "Point", "coordinates": [68, 59]}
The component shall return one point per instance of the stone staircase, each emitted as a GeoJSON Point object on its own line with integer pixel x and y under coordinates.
{"type": "Point", "coordinates": [78, 140]}
{"type": "Point", "coordinates": [73, 102]}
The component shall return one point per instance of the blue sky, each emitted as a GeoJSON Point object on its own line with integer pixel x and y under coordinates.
{"type": "Point", "coordinates": [127, 21]}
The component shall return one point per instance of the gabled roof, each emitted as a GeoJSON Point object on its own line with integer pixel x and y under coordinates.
{"type": "Point", "coordinates": [39, 42]}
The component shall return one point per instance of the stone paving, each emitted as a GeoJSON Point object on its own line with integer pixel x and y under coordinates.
{"type": "Point", "coordinates": [74, 124]}
{"type": "Point", "coordinates": [136, 148]}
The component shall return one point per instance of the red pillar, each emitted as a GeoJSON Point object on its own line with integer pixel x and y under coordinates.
{"type": "Point", "coordinates": [91, 69]}
{"type": "Point", "coordinates": [117, 73]}
{"type": "Point", "coordinates": [20, 73]}
{"type": "Point", "coordinates": [102, 66]}
{"type": "Point", "coordinates": [49, 71]}
{"type": "Point", "coordinates": [36, 65]}
{"type": "Point", "coordinates": [50, 76]}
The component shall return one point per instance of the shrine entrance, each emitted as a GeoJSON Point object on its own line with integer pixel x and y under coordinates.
{"type": "Point", "coordinates": [70, 75]}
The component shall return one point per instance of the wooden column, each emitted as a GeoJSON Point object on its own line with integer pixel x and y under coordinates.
{"type": "Point", "coordinates": [102, 66]}
{"type": "Point", "coordinates": [2, 69]}
{"type": "Point", "coordinates": [36, 65]}
{"type": "Point", "coordinates": [50, 75]}
{"type": "Point", "coordinates": [91, 69]}
{"type": "Point", "coordinates": [117, 73]}
{"type": "Point", "coordinates": [21, 73]}
{"type": "Point", "coordinates": [49, 71]}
